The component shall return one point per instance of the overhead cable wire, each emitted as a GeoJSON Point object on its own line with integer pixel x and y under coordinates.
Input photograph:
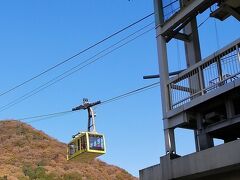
{"type": "Point", "coordinates": [37, 119]}
{"type": "Point", "coordinates": [75, 55]}
{"type": "Point", "coordinates": [169, 13]}
{"type": "Point", "coordinates": [53, 81]}
{"type": "Point", "coordinates": [46, 115]}
{"type": "Point", "coordinates": [81, 52]}
{"type": "Point", "coordinates": [42, 87]}
{"type": "Point", "coordinates": [55, 114]}
{"type": "Point", "coordinates": [170, 4]}
{"type": "Point", "coordinates": [76, 68]}
{"type": "Point", "coordinates": [203, 22]}
{"type": "Point", "coordinates": [131, 93]}
{"type": "Point", "coordinates": [172, 10]}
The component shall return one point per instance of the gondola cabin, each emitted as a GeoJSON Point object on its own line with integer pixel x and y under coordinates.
{"type": "Point", "coordinates": [86, 146]}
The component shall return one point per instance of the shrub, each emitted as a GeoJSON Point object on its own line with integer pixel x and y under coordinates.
{"type": "Point", "coordinates": [72, 176]}
{"type": "Point", "coordinates": [34, 173]}
{"type": "Point", "coordinates": [3, 178]}
{"type": "Point", "coordinates": [38, 173]}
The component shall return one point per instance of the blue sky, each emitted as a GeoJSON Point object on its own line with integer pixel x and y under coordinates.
{"type": "Point", "coordinates": [38, 34]}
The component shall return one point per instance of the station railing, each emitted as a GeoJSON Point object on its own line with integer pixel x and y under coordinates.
{"type": "Point", "coordinates": [205, 76]}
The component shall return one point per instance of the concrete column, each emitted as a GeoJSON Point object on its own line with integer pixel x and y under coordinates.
{"type": "Point", "coordinates": [162, 57]}
{"type": "Point", "coordinates": [196, 132]}
{"type": "Point", "coordinates": [203, 139]}
{"type": "Point", "coordinates": [230, 110]}
{"type": "Point", "coordinates": [192, 47]}
{"type": "Point", "coordinates": [192, 51]}
{"type": "Point", "coordinates": [193, 55]}
{"type": "Point", "coordinates": [170, 141]}
{"type": "Point", "coordinates": [164, 73]}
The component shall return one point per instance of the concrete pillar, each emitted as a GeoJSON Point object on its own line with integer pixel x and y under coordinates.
{"type": "Point", "coordinates": [230, 110]}
{"type": "Point", "coordinates": [164, 73]}
{"type": "Point", "coordinates": [170, 141]}
{"type": "Point", "coordinates": [193, 55]}
{"type": "Point", "coordinates": [203, 139]}
{"type": "Point", "coordinates": [192, 47]}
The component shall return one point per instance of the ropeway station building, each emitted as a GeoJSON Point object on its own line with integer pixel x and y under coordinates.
{"type": "Point", "coordinates": [204, 98]}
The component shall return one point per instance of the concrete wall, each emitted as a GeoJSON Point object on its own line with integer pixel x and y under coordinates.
{"type": "Point", "coordinates": [220, 162]}
{"type": "Point", "coordinates": [153, 173]}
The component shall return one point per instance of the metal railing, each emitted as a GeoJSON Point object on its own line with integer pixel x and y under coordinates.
{"type": "Point", "coordinates": [216, 70]}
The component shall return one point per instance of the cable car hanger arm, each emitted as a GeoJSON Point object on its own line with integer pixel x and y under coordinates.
{"type": "Point", "coordinates": [86, 105]}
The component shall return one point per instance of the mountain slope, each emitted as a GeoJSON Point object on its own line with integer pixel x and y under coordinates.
{"type": "Point", "coordinates": [26, 153]}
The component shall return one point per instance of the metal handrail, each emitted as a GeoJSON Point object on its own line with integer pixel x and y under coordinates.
{"type": "Point", "coordinates": [210, 87]}
{"type": "Point", "coordinates": [224, 60]}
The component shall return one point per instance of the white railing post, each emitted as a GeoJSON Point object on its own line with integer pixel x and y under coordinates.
{"type": "Point", "coordinates": [238, 53]}
{"type": "Point", "coordinates": [200, 76]}
{"type": "Point", "coordinates": [170, 96]}
{"type": "Point", "coordinates": [219, 68]}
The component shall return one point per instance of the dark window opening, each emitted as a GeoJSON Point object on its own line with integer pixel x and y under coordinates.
{"type": "Point", "coordinates": [96, 142]}
{"type": "Point", "coordinates": [71, 148]}
{"type": "Point", "coordinates": [83, 142]}
{"type": "Point", "coordinates": [78, 143]}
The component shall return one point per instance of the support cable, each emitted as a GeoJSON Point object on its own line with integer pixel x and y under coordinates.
{"type": "Point", "coordinates": [203, 22]}
{"type": "Point", "coordinates": [47, 115]}
{"type": "Point", "coordinates": [74, 56]}
{"type": "Point", "coordinates": [57, 114]}
{"type": "Point", "coordinates": [77, 54]}
{"type": "Point", "coordinates": [26, 96]}
{"type": "Point", "coordinates": [76, 68]}
{"type": "Point", "coordinates": [131, 93]}
{"type": "Point", "coordinates": [170, 4]}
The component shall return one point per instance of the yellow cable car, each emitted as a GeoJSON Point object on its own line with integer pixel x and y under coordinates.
{"type": "Point", "coordinates": [87, 145]}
